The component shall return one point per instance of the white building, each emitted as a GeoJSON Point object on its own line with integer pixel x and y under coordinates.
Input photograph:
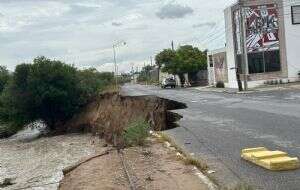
{"type": "Point", "coordinates": [273, 43]}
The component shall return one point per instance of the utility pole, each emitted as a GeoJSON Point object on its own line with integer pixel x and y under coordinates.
{"type": "Point", "coordinates": [115, 64]}
{"type": "Point", "coordinates": [115, 60]}
{"type": "Point", "coordinates": [151, 61]}
{"type": "Point", "coordinates": [244, 49]}
{"type": "Point", "coordinates": [172, 44]}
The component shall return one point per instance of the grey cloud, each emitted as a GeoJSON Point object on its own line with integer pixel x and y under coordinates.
{"type": "Point", "coordinates": [204, 24]}
{"type": "Point", "coordinates": [116, 24]}
{"type": "Point", "coordinates": [78, 9]}
{"type": "Point", "coordinates": [173, 11]}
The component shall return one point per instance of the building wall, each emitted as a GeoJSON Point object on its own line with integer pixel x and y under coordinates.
{"type": "Point", "coordinates": [256, 79]}
{"type": "Point", "coordinates": [292, 38]}
{"type": "Point", "coordinates": [230, 52]}
{"type": "Point", "coordinates": [217, 69]}
{"type": "Point", "coordinates": [283, 73]}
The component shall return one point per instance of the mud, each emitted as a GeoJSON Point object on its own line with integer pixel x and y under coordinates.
{"type": "Point", "coordinates": [38, 164]}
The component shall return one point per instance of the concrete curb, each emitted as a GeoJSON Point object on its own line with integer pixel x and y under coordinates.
{"type": "Point", "coordinates": [170, 143]}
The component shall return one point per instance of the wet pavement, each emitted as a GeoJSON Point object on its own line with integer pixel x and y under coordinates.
{"type": "Point", "coordinates": [216, 126]}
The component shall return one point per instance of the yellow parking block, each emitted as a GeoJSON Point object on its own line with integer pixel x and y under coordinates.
{"type": "Point", "coordinates": [271, 160]}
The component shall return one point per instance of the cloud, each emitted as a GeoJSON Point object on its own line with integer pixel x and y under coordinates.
{"type": "Point", "coordinates": [58, 28]}
{"type": "Point", "coordinates": [116, 24]}
{"type": "Point", "coordinates": [204, 24]}
{"type": "Point", "coordinates": [173, 11]}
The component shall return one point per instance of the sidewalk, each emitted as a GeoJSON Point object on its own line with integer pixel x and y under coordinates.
{"type": "Point", "coordinates": [264, 88]}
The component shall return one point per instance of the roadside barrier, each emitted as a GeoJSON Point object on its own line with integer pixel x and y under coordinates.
{"type": "Point", "coordinates": [271, 160]}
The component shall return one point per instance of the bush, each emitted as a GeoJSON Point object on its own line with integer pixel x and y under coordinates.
{"type": "Point", "coordinates": [136, 133]}
{"type": "Point", "coordinates": [4, 77]}
{"type": "Point", "coordinates": [220, 84]}
{"type": "Point", "coordinates": [48, 90]}
{"type": "Point", "coordinates": [7, 131]}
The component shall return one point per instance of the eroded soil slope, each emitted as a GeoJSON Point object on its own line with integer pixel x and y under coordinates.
{"type": "Point", "coordinates": [109, 114]}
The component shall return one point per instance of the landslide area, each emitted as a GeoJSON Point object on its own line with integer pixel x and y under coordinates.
{"type": "Point", "coordinates": [109, 114]}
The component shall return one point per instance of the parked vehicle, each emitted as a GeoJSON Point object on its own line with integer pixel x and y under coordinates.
{"type": "Point", "coordinates": [168, 82]}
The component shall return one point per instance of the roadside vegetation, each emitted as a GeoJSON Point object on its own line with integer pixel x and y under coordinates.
{"type": "Point", "coordinates": [46, 90]}
{"type": "Point", "coordinates": [136, 133]}
{"type": "Point", "coordinates": [145, 75]}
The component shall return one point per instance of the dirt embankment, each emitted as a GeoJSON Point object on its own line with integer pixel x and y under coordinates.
{"type": "Point", "coordinates": [110, 113]}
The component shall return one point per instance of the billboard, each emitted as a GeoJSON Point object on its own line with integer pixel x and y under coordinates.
{"type": "Point", "coordinates": [262, 28]}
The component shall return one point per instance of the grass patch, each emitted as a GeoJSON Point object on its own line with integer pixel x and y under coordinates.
{"type": "Point", "coordinates": [136, 133]}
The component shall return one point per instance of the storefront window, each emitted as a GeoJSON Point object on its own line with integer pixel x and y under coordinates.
{"type": "Point", "coordinates": [296, 14]}
{"type": "Point", "coordinates": [272, 61]}
{"type": "Point", "coordinates": [256, 62]}
{"type": "Point", "coordinates": [260, 62]}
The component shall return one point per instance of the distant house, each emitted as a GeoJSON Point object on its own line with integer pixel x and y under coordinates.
{"type": "Point", "coordinates": [217, 66]}
{"type": "Point", "coordinates": [272, 42]}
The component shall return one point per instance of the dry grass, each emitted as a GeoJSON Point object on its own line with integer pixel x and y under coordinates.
{"type": "Point", "coordinates": [111, 89]}
{"type": "Point", "coordinates": [242, 186]}
{"type": "Point", "coordinates": [186, 158]}
{"type": "Point", "coordinates": [189, 160]}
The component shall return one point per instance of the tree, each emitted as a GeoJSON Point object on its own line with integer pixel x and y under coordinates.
{"type": "Point", "coordinates": [144, 75]}
{"type": "Point", "coordinates": [92, 82]}
{"type": "Point", "coordinates": [186, 59]}
{"type": "Point", "coordinates": [48, 90]}
{"type": "Point", "coordinates": [165, 57]}
{"type": "Point", "coordinates": [4, 77]}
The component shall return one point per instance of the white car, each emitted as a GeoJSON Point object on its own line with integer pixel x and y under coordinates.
{"type": "Point", "coordinates": [168, 82]}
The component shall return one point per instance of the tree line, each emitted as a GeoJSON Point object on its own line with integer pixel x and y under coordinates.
{"type": "Point", "coordinates": [47, 90]}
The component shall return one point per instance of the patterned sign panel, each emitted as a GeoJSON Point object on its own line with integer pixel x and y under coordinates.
{"type": "Point", "coordinates": [262, 28]}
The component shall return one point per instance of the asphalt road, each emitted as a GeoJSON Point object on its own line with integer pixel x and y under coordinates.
{"type": "Point", "coordinates": [216, 126]}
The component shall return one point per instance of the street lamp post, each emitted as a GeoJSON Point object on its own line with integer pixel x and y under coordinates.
{"type": "Point", "coordinates": [115, 60]}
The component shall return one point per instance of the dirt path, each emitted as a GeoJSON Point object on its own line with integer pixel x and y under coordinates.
{"type": "Point", "coordinates": [151, 168]}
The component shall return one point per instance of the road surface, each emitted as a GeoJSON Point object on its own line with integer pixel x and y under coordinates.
{"type": "Point", "coordinates": [216, 126]}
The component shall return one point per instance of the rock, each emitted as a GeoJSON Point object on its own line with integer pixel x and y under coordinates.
{"type": "Point", "coordinates": [105, 145]}
{"type": "Point", "coordinates": [7, 182]}
{"type": "Point", "coordinates": [147, 153]}
{"type": "Point", "coordinates": [149, 178]}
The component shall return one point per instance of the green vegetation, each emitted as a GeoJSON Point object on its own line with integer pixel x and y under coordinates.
{"type": "Point", "coordinates": [4, 77]}
{"type": "Point", "coordinates": [136, 133]}
{"type": "Point", "coordinates": [145, 75]}
{"type": "Point", "coordinates": [48, 90]}
{"type": "Point", "coordinates": [186, 59]}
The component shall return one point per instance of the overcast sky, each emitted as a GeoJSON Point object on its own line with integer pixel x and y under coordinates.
{"type": "Point", "coordinates": [83, 31]}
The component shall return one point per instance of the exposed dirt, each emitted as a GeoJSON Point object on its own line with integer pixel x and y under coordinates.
{"type": "Point", "coordinates": [152, 168]}
{"type": "Point", "coordinates": [109, 114]}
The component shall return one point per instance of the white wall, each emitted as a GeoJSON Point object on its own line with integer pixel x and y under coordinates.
{"type": "Point", "coordinates": [230, 56]}
{"type": "Point", "coordinates": [292, 36]}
